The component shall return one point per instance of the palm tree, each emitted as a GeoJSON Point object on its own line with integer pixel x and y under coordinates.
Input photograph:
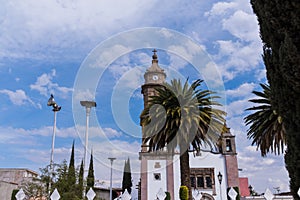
{"type": "Point", "coordinates": [182, 117]}
{"type": "Point", "coordinates": [266, 126]}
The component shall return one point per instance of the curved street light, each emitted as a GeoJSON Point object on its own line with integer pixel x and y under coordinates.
{"type": "Point", "coordinates": [56, 108]}
{"type": "Point", "coordinates": [88, 105]}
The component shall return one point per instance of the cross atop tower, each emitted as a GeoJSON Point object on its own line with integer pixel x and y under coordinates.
{"type": "Point", "coordinates": [154, 57]}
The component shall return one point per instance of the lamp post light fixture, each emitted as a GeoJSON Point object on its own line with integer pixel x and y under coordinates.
{"type": "Point", "coordinates": [56, 108]}
{"type": "Point", "coordinates": [110, 188]}
{"type": "Point", "coordinates": [88, 105]}
{"type": "Point", "coordinates": [220, 177]}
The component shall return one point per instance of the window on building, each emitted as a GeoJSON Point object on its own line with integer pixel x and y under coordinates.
{"type": "Point", "coordinates": [202, 178]}
{"type": "Point", "coordinates": [208, 181]}
{"type": "Point", "coordinates": [200, 182]}
{"type": "Point", "coordinates": [157, 176]}
{"type": "Point", "coordinates": [228, 145]}
{"type": "Point", "coordinates": [193, 181]}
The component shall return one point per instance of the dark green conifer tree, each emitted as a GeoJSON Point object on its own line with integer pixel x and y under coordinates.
{"type": "Point", "coordinates": [71, 179]}
{"type": "Point", "coordinates": [127, 180]}
{"type": "Point", "coordinates": [80, 181]}
{"type": "Point", "coordinates": [90, 177]}
{"type": "Point", "coordinates": [279, 29]}
{"type": "Point", "coordinates": [71, 170]}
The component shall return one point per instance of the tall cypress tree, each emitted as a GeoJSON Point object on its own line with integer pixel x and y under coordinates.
{"type": "Point", "coordinates": [127, 180]}
{"type": "Point", "coordinates": [71, 170]}
{"type": "Point", "coordinates": [90, 177]}
{"type": "Point", "coordinates": [71, 179]}
{"type": "Point", "coordinates": [279, 29]}
{"type": "Point", "coordinates": [80, 181]}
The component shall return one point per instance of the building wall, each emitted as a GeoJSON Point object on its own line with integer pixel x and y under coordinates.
{"type": "Point", "coordinates": [156, 167]}
{"type": "Point", "coordinates": [206, 160]}
{"type": "Point", "coordinates": [232, 171]}
{"type": "Point", "coordinates": [11, 178]}
{"type": "Point", "coordinates": [244, 187]}
{"type": "Point", "coordinates": [6, 189]}
{"type": "Point", "coordinates": [104, 193]}
{"type": "Point", "coordinates": [17, 176]}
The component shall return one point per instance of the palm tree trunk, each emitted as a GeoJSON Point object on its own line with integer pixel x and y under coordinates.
{"type": "Point", "coordinates": [185, 170]}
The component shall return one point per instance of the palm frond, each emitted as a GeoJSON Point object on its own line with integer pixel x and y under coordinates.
{"type": "Point", "coordinates": [189, 116]}
{"type": "Point", "coordinates": [266, 127]}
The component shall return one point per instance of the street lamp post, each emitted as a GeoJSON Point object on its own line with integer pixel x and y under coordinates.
{"type": "Point", "coordinates": [88, 105]}
{"type": "Point", "coordinates": [56, 108]}
{"type": "Point", "coordinates": [110, 188]}
{"type": "Point", "coordinates": [220, 176]}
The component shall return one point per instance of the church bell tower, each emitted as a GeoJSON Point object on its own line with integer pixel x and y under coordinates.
{"type": "Point", "coordinates": [228, 149]}
{"type": "Point", "coordinates": [154, 78]}
{"type": "Point", "coordinates": [157, 171]}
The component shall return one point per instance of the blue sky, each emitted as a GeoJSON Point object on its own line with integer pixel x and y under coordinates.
{"type": "Point", "coordinates": [46, 47]}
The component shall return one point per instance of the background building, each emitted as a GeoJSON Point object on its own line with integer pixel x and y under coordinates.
{"type": "Point", "coordinates": [14, 178]}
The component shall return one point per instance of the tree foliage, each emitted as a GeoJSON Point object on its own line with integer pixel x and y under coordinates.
{"type": "Point", "coordinates": [71, 170]}
{"type": "Point", "coordinates": [62, 178]}
{"type": "Point", "coordinates": [66, 179]}
{"type": "Point", "coordinates": [80, 180]}
{"type": "Point", "coordinates": [266, 126]}
{"type": "Point", "coordinates": [127, 179]}
{"type": "Point", "coordinates": [91, 176]}
{"type": "Point", "coordinates": [279, 29]}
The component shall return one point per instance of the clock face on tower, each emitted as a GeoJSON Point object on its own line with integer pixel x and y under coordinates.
{"type": "Point", "coordinates": [155, 77]}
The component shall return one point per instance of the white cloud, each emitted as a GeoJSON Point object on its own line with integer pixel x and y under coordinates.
{"type": "Point", "coordinates": [18, 97]}
{"type": "Point", "coordinates": [96, 133]}
{"type": "Point", "coordinates": [241, 53]}
{"type": "Point", "coordinates": [18, 135]}
{"type": "Point", "coordinates": [129, 81]}
{"type": "Point", "coordinates": [27, 29]}
{"type": "Point", "coordinates": [45, 86]}
{"type": "Point", "coordinates": [111, 133]}
{"type": "Point", "coordinates": [83, 94]}
{"type": "Point", "coordinates": [226, 8]}
{"type": "Point", "coordinates": [108, 55]}
{"type": "Point", "coordinates": [212, 77]}
{"type": "Point", "coordinates": [268, 161]}
{"type": "Point", "coordinates": [237, 108]}
{"type": "Point", "coordinates": [261, 74]}
{"type": "Point", "coordinates": [176, 62]}
{"type": "Point", "coordinates": [120, 67]}
{"type": "Point", "coordinates": [236, 57]}
{"type": "Point", "coordinates": [243, 90]}
{"type": "Point", "coordinates": [186, 50]}
{"type": "Point", "coordinates": [242, 25]}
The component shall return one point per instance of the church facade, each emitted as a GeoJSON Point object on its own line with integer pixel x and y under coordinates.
{"type": "Point", "coordinates": [211, 173]}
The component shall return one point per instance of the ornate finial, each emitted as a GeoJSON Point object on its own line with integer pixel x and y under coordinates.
{"type": "Point", "coordinates": [154, 57]}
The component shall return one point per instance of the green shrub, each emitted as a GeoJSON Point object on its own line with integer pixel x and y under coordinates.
{"type": "Point", "coordinates": [168, 197]}
{"type": "Point", "coordinates": [13, 194]}
{"type": "Point", "coordinates": [184, 192]}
